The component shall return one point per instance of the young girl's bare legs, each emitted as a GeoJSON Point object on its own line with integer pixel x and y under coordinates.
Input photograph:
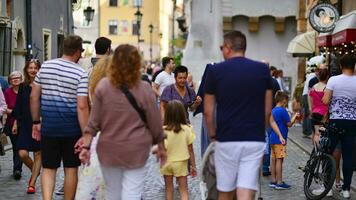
{"type": "Point", "coordinates": [168, 180]}
{"type": "Point", "coordinates": [183, 187]}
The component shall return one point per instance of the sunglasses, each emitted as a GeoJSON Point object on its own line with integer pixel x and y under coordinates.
{"type": "Point", "coordinates": [34, 60]}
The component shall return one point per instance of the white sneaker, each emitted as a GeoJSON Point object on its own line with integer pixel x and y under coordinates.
{"type": "Point", "coordinates": [330, 193]}
{"type": "Point", "coordinates": [345, 194]}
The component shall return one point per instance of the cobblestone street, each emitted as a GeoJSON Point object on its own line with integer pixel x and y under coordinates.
{"type": "Point", "coordinates": [154, 189]}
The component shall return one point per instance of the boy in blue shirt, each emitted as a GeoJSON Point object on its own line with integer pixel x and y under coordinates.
{"type": "Point", "coordinates": [278, 139]}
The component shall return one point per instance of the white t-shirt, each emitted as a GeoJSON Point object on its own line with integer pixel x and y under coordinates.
{"type": "Point", "coordinates": [306, 83]}
{"type": "Point", "coordinates": [164, 79]}
{"type": "Point", "coordinates": [343, 102]}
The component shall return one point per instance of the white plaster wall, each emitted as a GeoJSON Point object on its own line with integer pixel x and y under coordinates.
{"type": "Point", "coordinates": [268, 45]}
{"type": "Point", "coordinates": [205, 37]}
{"type": "Point", "coordinates": [256, 8]}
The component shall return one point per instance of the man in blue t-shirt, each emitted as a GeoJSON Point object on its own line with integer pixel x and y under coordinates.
{"type": "Point", "coordinates": [242, 91]}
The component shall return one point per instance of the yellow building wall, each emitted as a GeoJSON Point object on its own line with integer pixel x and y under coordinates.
{"type": "Point", "coordinates": [166, 10]}
{"type": "Point", "coordinates": [151, 14]}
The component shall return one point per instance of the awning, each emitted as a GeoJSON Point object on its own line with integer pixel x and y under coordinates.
{"type": "Point", "coordinates": [324, 39]}
{"type": "Point", "coordinates": [345, 29]}
{"type": "Point", "coordinates": [302, 45]}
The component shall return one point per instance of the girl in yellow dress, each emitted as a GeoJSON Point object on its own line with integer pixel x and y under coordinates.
{"type": "Point", "coordinates": [179, 144]}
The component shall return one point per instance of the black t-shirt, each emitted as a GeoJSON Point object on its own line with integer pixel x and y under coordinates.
{"type": "Point", "coordinates": [313, 81]}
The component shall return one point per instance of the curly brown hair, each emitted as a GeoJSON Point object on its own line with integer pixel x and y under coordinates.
{"type": "Point", "coordinates": [125, 66]}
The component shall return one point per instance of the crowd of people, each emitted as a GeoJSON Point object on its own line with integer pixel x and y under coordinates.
{"type": "Point", "coordinates": [65, 115]}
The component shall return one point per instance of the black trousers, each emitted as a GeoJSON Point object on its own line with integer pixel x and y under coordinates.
{"type": "Point", "coordinates": [17, 163]}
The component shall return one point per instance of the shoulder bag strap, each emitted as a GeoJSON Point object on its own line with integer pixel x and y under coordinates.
{"type": "Point", "coordinates": [133, 102]}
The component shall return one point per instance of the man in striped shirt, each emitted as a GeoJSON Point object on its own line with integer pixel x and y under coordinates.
{"type": "Point", "coordinates": [59, 107]}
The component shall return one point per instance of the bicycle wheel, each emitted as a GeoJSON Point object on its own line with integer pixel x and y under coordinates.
{"type": "Point", "coordinates": [319, 177]}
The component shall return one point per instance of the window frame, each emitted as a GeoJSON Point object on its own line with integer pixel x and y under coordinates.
{"type": "Point", "coordinates": [113, 24]}
{"type": "Point", "coordinates": [47, 32]}
{"type": "Point", "coordinates": [112, 5]}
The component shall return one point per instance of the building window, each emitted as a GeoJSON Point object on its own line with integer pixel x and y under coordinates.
{"type": "Point", "coordinates": [137, 3]}
{"type": "Point", "coordinates": [134, 28]}
{"type": "Point", "coordinates": [5, 49]}
{"type": "Point", "coordinates": [112, 27]}
{"type": "Point", "coordinates": [60, 43]}
{"type": "Point", "coordinates": [124, 26]}
{"type": "Point", "coordinates": [124, 2]}
{"type": "Point", "coordinates": [113, 3]}
{"type": "Point", "coordinates": [46, 44]}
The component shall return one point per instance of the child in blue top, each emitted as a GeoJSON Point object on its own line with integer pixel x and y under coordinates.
{"type": "Point", "coordinates": [278, 139]}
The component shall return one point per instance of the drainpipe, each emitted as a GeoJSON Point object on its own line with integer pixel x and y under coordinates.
{"type": "Point", "coordinates": [28, 14]}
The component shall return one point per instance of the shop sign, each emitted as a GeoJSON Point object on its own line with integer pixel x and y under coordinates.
{"type": "Point", "coordinates": [323, 17]}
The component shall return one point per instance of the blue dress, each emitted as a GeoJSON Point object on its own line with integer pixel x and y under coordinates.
{"type": "Point", "coordinates": [22, 114]}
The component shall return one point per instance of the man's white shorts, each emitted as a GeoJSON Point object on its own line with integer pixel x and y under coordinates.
{"type": "Point", "coordinates": [237, 165]}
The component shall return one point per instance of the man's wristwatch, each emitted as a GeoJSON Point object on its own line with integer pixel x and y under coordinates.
{"type": "Point", "coordinates": [36, 122]}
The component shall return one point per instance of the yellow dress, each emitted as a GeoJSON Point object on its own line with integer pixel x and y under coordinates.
{"type": "Point", "coordinates": [178, 152]}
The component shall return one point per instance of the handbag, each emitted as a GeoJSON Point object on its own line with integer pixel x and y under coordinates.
{"type": "Point", "coordinates": [3, 139]}
{"type": "Point", "coordinates": [91, 184]}
{"type": "Point", "coordinates": [3, 143]}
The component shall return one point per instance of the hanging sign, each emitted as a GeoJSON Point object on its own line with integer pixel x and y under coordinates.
{"type": "Point", "coordinates": [323, 17]}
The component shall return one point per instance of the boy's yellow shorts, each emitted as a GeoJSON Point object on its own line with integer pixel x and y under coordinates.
{"type": "Point", "coordinates": [176, 169]}
{"type": "Point", "coordinates": [278, 151]}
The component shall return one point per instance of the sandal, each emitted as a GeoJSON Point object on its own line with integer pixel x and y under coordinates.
{"type": "Point", "coordinates": [31, 190]}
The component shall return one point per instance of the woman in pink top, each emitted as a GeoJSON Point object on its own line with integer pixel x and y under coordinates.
{"type": "Point", "coordinates": [318, 109]}
{"type": "Point", "coordinates": [125, 139]}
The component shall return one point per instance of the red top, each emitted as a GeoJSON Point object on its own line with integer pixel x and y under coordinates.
{"type": "Point", "coordinates": [10, 98]}
{"type": "Point", "coordinates": [318, 106]}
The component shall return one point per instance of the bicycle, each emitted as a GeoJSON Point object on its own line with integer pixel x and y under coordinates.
{"type": "Point", "coordinates": [320, 170]}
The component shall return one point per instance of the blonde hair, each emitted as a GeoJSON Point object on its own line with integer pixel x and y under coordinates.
{"type": "Point", "coordinates": [124, 68]}
{"type": "Point", "coordinates": [99, 71]}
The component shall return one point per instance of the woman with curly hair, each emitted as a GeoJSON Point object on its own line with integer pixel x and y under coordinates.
{"type": "Point", "coordinates": [125, 140]}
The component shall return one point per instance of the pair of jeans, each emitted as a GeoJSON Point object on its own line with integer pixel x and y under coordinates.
{"type": "Point", "coordinates": [17, 163]}
{"type": "Point", "coordinates": [307, 125]}
{"type": "Point", "coordinates": [205, 140]}
{"type": "Point", "coordinates": [346, 135]}
{"type": "Point", "coordinates": [267, 155]}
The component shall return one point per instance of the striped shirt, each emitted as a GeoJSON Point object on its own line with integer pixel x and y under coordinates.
{"type": "Point", "coordinates": [61, 82]}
